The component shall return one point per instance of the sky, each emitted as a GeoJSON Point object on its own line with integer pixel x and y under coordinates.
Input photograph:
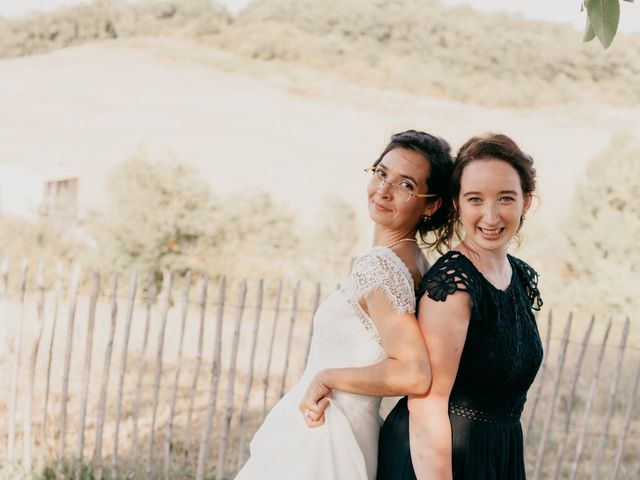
{"type": "Point", "coordinates": [565, 11]}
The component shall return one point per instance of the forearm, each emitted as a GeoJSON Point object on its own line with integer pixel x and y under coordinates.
{"type": "Point", "coordinates": [430, 438]}
{"type": "Point", "coordinates": [387, 378]}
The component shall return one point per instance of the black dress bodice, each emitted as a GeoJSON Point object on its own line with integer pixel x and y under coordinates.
{"type": "Point", "coordinates": [502, 351]}
{"type": "Point", "coordinates": [499, 361]}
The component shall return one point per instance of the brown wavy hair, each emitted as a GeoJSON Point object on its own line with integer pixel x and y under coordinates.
{"type": "Point", "coordinates": [437, 152]}
{"type": "Point", "coordinates": [485, 147]}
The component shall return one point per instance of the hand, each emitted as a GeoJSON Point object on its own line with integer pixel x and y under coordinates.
{"type": "Point", "coordinates": [315, 401]}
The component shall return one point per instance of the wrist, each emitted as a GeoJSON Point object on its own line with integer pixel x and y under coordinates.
{"type": "Point", "coordinates": [325, 377]}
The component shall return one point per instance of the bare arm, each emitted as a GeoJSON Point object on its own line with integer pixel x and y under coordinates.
{"type": "Point", "coordinates": [405, 370]}
{"type": "Point", "coordinates": [444, 326]}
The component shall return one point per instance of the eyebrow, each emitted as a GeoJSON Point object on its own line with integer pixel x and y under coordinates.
{"type": "Point", "coordinates": [408, 177]}
{"type": "Point", "coordinates": [501, 192]}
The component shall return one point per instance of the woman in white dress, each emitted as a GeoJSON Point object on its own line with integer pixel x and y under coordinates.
{"type": "Point", "coordinates": [366, 341]}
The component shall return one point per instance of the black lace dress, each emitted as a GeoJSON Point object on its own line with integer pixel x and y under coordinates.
{"type": "Point", "coordinates": [500, 359]}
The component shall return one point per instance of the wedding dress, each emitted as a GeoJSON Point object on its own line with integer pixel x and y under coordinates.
{"type": "Point", "coordinates": [345, 447]}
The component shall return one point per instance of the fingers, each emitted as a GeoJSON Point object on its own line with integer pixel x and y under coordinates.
{"type": "Point", "coordinates": [313, 414]}
{"type": "Point", "coordinates": [322, 406]}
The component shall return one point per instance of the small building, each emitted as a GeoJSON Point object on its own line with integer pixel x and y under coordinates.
{"type": "Point", "coordinates": [29, 193]}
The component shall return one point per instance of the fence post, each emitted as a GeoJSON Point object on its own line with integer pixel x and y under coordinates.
{"type": "Point", "coordinates": [543, 371]}
{"type": "Point", "coordinates": [228, 411]}
{"type": "Point", "coordinates": [56, 304]}
{"type": "Point", "coordinates": [265, 380]}
{"type": "Point", "coordinates": [627, 422]}
{"type": "Point", "coordinates": [88, 355]}
{"type": "Point", "coordinates": [247, 391]}
{"type": "Point", "coordinates": [176, 381]}
{"type": "Point", "coordinates": [123, 369]}
{"type": "Point", "coordinates": [97, 454]}
{"type": "Point", "coordinates": [613, 393]}
{"type": "Point", "coordinates": [591, 398]}
{"type": "Point", "coordinates": [4, 305]}
{"type": "Point", "coordinates": [316, 303]}
{"type": "Point", "coordinates": [28, 397]}
{"type": "Point", "coordinates": [73, 298]}
{"type": "Point", "coordinates": [213, 387]}
{"type": "Point", "coordinates": [556, 385]}
{"type": "Point", "coordinates": [572, 396]}
{"type": "Point", "coordinates": [294, 311]}
{"type": "Point", "coordinates": [15, 367]}
{"type": "Point", "coordinates": [145, 340]}
{"type": "Point", "coordinates": [196, 374]}
{"type": "Point", "coordinates": [167, 283]}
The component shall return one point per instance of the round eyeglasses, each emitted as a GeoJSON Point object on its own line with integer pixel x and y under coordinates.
{"type": "Point", "coordinates": [402, 188]}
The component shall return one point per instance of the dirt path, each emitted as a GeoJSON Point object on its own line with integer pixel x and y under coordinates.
{"type": "Point", "coordinates": [255, 126]}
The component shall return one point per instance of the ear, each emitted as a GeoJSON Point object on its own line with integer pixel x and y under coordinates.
{"type": "Point", "coordinates": [527, 203]}
{"type": "Point", "coordinates": [432, 207]}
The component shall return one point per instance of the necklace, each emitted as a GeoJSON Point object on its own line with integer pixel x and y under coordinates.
{"type": "Point", "coordinates": [393, 244]}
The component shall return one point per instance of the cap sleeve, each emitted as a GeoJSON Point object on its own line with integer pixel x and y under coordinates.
{"type": "Point", "coordinates": [530, 282]}
{"type": "Point", "coordinates": [448, 275]}
{"type": "Point", "coordinates": [380, 268]}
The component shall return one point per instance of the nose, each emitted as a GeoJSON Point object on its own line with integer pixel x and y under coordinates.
{"type": "Point", "coordinates": [383, 186]}
{"type": "Point", "coordinates": [490, 214]}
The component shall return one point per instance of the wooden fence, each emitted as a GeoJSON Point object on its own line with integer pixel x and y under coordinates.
{"type": "Point", "coordinates": [105, 380]}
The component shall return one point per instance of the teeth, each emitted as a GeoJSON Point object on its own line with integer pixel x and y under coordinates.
{"type": "Point", "coordinates": [490, 231]}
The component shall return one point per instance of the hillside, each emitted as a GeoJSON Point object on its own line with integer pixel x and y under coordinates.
{"type": "Point", "coordinates": [260, 103]}
{"type": "Point", "coordinates": [417, 46]}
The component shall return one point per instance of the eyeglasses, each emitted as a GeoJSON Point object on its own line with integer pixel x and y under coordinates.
{"type": "Point", "coordinates": [403, 188]}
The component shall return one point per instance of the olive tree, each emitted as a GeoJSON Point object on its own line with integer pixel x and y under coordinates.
{"type": "Point", "coordinates": [603, 228]}
{"type": "Point", "coordinates": [603, 17]}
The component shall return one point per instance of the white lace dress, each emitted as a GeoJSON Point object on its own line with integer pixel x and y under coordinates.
{"type": "Point", "coordinates": [346, 446]}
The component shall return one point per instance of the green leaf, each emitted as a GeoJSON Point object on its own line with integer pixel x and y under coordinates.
{"type": "Point", "coordinates": [604, 16]}
{"type": "Point", "coordinates": [589, 34]}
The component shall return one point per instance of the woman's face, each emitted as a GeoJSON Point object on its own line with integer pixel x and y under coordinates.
{"type": "Point", "coordinates": [491, 204]}
{"type": "Point", "coordinates": [400, 171]}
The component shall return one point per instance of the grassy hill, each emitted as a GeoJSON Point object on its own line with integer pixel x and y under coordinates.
{"type": "Point", "coordinates": [417, 46]}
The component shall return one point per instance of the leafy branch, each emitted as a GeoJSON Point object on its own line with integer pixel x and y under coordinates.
{"type": "Point", "coordinates": [603, 17]}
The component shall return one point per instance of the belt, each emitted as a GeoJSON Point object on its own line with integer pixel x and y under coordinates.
{"type": "Point", "coordinates": [480, 416]}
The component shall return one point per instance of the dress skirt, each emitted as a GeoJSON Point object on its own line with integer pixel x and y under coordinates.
{"type": "Point", "coordinates": [484, 447]}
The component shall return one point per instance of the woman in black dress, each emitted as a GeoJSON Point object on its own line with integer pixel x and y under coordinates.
{"type": "Point", "coordinates": [480, 331]}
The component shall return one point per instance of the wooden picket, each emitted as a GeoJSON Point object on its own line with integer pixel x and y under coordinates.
{"type": "Point", "coordinates": [88, 356]}
{"type": "Point", "coordinates": [123, 370]}
{"type": "Point", "coordinates": [568, 432]}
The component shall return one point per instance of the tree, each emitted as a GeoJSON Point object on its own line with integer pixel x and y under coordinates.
{"type": "Point", "coordinates": [158, 217]}
{"type": "Point", "coordinates": [163, 216]}
{"type": "Point", "coordinates": [333, 240]}
{"type": "Point", "coordinates": [603, 228]}
{"type": "Point", "coordinates": [603, 17]}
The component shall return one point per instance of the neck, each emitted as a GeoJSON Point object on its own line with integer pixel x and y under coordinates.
{"type": "Point", "coordinates": [383, 236]}
{"type": "Point", "coordinates": [485, 260]}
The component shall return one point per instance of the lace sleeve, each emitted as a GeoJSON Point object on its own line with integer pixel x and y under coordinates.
{"type": "Point", "coordinates": [380, 268]}
{"type": "Point", "coordinates": [447, 276]}
{"type": "Point", "coordinates": [530, 283]}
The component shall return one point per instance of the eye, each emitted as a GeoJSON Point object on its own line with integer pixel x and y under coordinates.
{"type": "Point", "coordinates": [378, 172]}
{"type": "Point", "coordinates": [474, 200]}
{"type": "Point", "coordinates": [406, 186]}
{"type": "Point", "coordinates": [507, 199]}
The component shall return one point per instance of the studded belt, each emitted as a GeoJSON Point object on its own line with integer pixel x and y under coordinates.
{"type": "Point", "coordinates": [486, 417]}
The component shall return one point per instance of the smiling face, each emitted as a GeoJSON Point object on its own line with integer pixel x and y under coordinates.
{"type": "Point", "coordinates": [388, 205]}
{"type": "Point", "coordinates": [491, 204]}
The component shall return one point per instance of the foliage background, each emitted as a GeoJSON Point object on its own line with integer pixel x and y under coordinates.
{"type": "Point", "coordinates": [162, 213]}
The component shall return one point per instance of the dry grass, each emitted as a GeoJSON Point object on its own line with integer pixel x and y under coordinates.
{"type": "Point", "coordinates": [185, 444]}
{"type": "Point", "coordinates": [420, 47]}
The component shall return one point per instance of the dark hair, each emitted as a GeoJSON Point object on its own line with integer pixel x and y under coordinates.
{"type": "Point", "coordinates": [487, 147]}
{"type": "Point", "coordinates": [438, 153]}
